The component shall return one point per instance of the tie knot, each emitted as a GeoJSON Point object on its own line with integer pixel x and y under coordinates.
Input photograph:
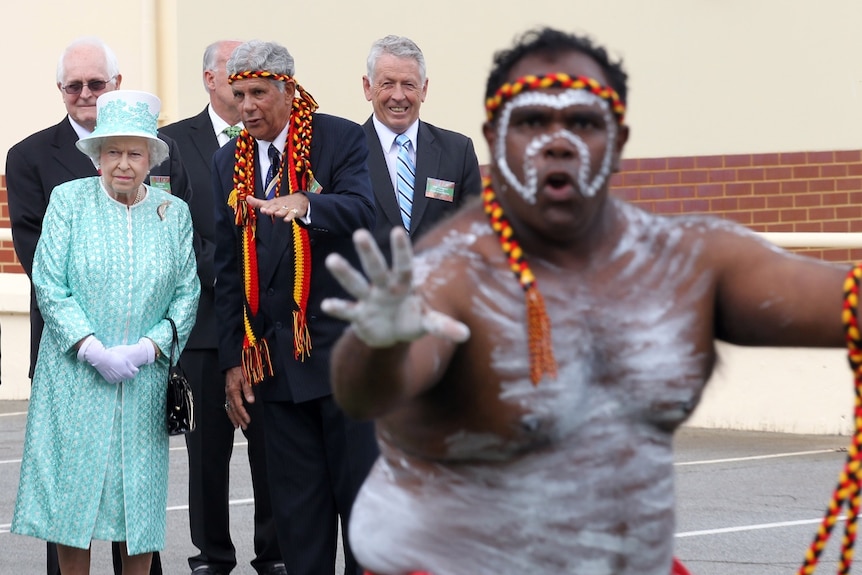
{"type": "Point", "coordinates": [402, 140]}
{"type": "Point", "coordinates": [232, 131]}
{"type": "Point", "coordinates": [274, 156]}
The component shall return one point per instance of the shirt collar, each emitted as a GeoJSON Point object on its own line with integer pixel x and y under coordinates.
{"type": "Point", "coordinates": [279, 142]}
{"type": "Point", "coordinates": [218, 123]}
{"type": "Point", "coordinates": [387, 136]}
{"type": "Point", "coordinates": [79, 129]}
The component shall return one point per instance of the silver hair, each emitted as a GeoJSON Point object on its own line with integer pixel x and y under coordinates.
{"type": "Point", "coordinates": [111, 63]}
{"type": "Point", "coordinates": [210, 60]}
{"type": "Point", "coordinates": [158, 152]}
{"type": "Point", "coordinates": [157, 149]}
{"type": "Point", "coordinates": [398, 46]}
{"type": "Point", "coordinates": [261, 56]}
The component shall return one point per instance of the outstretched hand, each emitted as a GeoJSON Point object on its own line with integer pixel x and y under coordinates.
{"type": "Point", "coordinates": [386, 310]}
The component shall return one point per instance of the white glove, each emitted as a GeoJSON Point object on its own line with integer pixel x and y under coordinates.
{"type": "Point", "coordinates": [387, 309]}
{"type": "Point", "coordinates": [111, 365]}
{"type": "Point", "coordinates": [141, 353]}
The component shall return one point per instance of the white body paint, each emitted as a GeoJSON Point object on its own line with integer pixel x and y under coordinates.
{"type": "Point", "coordinates": [588, 185]}
{"type": "Point", "coordinates": [581, 481]}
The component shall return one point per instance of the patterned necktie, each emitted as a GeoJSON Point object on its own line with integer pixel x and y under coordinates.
{"type": "Point", "coordinates": [275, 163]}
{"type": "Point", "coordinates": [232, 131]}
{"type": "Point", "coordinates": [406, 171]}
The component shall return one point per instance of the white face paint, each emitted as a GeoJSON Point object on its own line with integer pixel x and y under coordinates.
{"type": "Point", "coordinates": [587, 184]}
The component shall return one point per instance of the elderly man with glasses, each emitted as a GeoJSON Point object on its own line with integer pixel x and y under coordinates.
{"type": "Point", "coordinates": [87, 68]}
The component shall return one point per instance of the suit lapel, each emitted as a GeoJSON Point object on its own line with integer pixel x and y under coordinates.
{"type": "Point", "coordinates": [203, 137]}
{"type": "Point", "coordinates": [381, 182]}
{"type": "Point", "coordinates": [427, 163]}
{"type": "Point", "coordinates": [67, 154]}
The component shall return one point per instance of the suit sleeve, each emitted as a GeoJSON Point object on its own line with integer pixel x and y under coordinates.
{"type": "Point", "coordinates": [346, 203]}
{"type": "Point", "coordinates": [228, 283]}
{"type": "Point", "coordinates": [472, 178]}
{"type": "Point", "coordinates": [27, 205]}
{"type": "Point", "coordinates": [181, 186]}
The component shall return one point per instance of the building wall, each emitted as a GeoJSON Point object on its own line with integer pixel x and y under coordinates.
{"type": "Point", "coordinates": [706, 77]}
{"type": "Point", "coordinates": [770, 192]}
{"type": "Point", "coordinates": [750, 110]}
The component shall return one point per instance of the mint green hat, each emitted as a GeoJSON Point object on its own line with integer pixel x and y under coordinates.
{"type": "Point", "coordinates": [126, 113]}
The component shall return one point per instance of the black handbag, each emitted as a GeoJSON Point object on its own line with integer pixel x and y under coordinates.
{"type": "Point", "coordinates": [180, 405]}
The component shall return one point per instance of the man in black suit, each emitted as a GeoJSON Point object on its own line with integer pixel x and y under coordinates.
{"type": "Point", "coordinates": [34, 166]}
{"type": "Point", "coordinates": [270, 280]}
{"type": "Point", "coordinates": [211, 444]}
{"type": "Point", "coordinates": [445, 168]}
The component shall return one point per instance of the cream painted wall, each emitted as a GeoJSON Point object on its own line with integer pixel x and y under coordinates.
{"type": "Point", "coordinates": [707, 76]}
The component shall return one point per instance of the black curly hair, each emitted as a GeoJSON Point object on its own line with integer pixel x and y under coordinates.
{"type": "Point", "coordinates": [551, 41]}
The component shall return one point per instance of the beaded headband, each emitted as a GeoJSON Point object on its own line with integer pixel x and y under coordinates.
{"type": "Point", "coordinates": [257, 74]}
{"type": "Point", "coordinates": [559, 80]}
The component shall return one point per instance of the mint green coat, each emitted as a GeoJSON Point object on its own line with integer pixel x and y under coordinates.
{"type": "Point", "coordinates": [95, 463]}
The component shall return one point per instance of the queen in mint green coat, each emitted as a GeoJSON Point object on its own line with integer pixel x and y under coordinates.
{"type": "Point", "coordinates": [95, 463]}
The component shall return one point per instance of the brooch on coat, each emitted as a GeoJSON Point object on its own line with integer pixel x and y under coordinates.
{"type": "Point", "coordinates": [163, 207]}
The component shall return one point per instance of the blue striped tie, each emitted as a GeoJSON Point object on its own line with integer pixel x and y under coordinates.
{"type": "Point", "coordinates": [406, 178]}
{"type": "Point", "coordinates": [275, 164]}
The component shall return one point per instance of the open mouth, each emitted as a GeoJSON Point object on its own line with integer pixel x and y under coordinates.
{"type": "Point", "coordinates": [558, 180]}
{"type": "Point", "coordinates": [560, 185]}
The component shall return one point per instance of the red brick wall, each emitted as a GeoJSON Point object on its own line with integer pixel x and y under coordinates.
{"type": "Point", "coordinates": [8, 262]}
{"type": "Point", "coordinates": [781, 192]}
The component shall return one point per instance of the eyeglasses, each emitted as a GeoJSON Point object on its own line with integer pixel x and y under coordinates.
{"type": "Point", "coordinates": [93, 85]}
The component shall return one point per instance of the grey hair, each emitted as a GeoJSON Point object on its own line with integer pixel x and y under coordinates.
{"type": "Point", "coordinates": [157, 149]}
{"type": "Point", "coordinates": [111, 63]}
{"type": "Point", "coordinates": [398, 46]}
{"type": "Point", "coordinates": [211, 58]}
{"type": "Point", "coordinates": [159, 152]}
{"type": "Point", "coordinates": [260, 56]}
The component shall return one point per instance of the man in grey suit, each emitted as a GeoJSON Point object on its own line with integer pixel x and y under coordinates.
{"type": "Point", "coordinates": [211, 444]}
{"type": "Point", "coordinates": [442, 164]}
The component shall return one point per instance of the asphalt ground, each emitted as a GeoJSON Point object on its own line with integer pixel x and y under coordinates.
{"type": "Point", "coordinates": [747, 503]}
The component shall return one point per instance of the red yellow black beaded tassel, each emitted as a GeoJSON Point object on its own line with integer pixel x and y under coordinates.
{"type": "Point", "coordinates": [848, 488]}
{"type": "Point", "coordinates": [541, 349]}
{"type": "Point", "coordinates": [256, 360]}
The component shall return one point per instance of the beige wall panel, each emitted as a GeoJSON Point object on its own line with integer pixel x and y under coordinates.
{"type": "Point", "coordinates": [707, 76]}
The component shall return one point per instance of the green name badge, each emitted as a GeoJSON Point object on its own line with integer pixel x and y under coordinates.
{"type": "Point", "coordinates": [161, 182]}
{"type": "Point", "coordinates": [440, 190]}
{"type": "Point", "coordinates": [314, 187]}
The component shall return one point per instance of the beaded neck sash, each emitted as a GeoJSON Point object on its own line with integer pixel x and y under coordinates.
{"type": "Point", "coordinates": [848, 488]}
{"type": "Point", "coordinates": [542, 359]}
{"type": "Point", "coordinates": [256, 361]}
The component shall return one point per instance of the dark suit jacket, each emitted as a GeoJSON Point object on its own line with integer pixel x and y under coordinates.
{"type": "Point", "coordinates": [34, 167]}
{"type": "Point", "coordinates": [197, 143]}
{"type": "Point", "coordinates": [440, 154]}
{"type": "Point", "coordinates": [345, 204]}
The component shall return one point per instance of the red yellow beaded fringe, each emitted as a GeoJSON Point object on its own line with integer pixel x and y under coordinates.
{"type": "Point", "coordinates": [848, 489]}
{"type": "Point", "coordinates": [256, 360]}
{"type": "Point", "coordinates": [542, 361]}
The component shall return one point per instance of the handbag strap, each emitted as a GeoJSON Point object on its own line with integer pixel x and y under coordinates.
{"type": "Point", "coordinates": [175, 342]}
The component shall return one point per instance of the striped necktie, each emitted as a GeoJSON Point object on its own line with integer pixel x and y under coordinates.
{"type": "Point", "coordinates": [275, 164]}
{"type": "Point", "coordinates": [406, 171]}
